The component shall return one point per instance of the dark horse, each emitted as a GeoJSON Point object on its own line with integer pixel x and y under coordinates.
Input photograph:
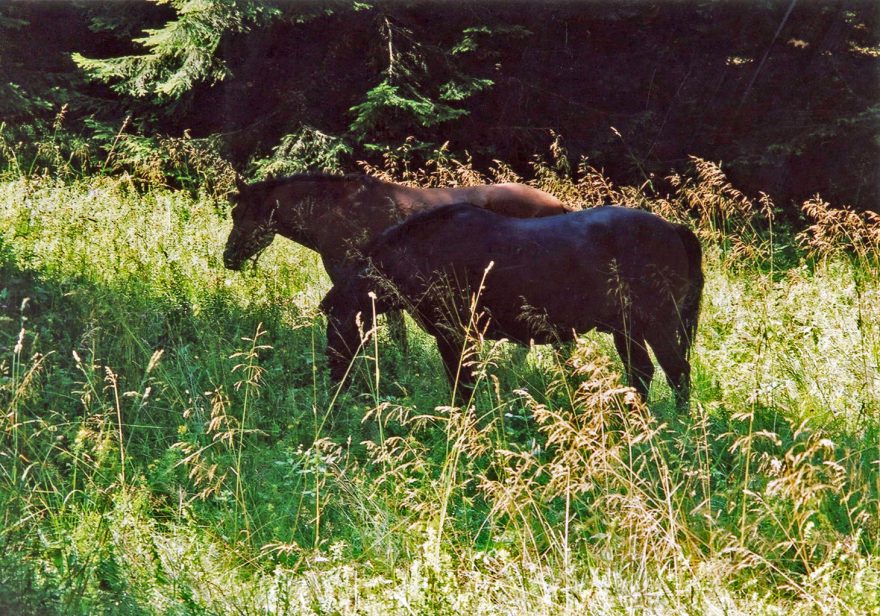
{"type": "Point", "coordinates": [615, 269]}
{"type": "Point", "coordinates": [336, 215]}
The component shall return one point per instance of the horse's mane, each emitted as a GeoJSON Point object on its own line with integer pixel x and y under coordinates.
{"type": "Point", "coordinates": [422, 220]}
{"type": "Point", "coordinates": [329, 178]}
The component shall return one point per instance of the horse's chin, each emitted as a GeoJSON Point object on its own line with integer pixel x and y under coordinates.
{"type": "Point", "coordinates": [240, 265]}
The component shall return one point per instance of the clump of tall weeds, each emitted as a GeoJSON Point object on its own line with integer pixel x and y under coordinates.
{"type": "Point", "coordinates": [217, 453]}
{"type": "Point", "coordinates": [835, 231]}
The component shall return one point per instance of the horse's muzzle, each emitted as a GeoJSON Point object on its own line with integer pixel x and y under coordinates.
{"type": "Point", "coordinates": [230, 261]}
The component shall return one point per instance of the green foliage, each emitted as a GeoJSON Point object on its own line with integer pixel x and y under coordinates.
{"type": "Point", "coordinates": [420, 80]}
{"type": "Point", "coordinates": [181, 53]}
{"type": "Point", "coordinates": [386, 106]}
{"type": "Point", "coordinates": [194, 164]}
{"type": "Point", "coordinates": [459, 91]}
{"type": "Point", "coordinates": [307, 149]}
{"type": "Point", "coordinates": [28, 94]}
{"type": "Point", "coordinates": [28, 150]}
{"type": "Point", "coordinates": [15, 101]}
{"type": "Point", "coordinates": [492, 80]}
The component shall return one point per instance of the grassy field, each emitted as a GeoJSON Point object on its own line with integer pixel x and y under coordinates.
{"type": "Point", "coordinates": [171, 443]}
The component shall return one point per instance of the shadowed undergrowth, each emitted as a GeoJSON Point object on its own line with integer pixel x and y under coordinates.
{"type": "Point", "coordinates": [171, 442]}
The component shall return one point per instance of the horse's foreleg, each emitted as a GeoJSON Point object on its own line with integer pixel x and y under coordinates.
{"type": "Point", "coordinates": [639, 368]}
{"type": "Point", "coordinates": [394, 318]}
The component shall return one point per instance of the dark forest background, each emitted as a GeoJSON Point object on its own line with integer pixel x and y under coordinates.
{"type": "Point", "coordinates": [785, 94]}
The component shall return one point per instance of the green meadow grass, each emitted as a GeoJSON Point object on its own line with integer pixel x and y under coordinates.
{"type": "Point", "coordinates": [171, 443]}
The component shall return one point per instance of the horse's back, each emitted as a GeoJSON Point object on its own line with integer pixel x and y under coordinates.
{"type": "Point", "coordinates": [463, 228]}
{"type": "Point", "coordinates": [507, 199]}
{"type": "Point", "coordinates": [637, 234]}
{"type": "Point", "coordinates": [522, 200]}
{"type": "Point", "coordinates": [554, 253]}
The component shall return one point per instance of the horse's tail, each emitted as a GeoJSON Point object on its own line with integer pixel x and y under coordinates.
{"type": "Point", "coordinates": [690, 307]}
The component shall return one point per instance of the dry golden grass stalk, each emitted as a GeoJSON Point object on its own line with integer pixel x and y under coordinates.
{"type": "Point", "coordinates": [837, 230]}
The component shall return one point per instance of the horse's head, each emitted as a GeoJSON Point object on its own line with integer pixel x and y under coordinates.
{"type": "Point", "coordinates": [253, 225]}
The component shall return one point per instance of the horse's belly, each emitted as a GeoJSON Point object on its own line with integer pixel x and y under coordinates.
{"type": "Point", "coordinates": [540, 324]}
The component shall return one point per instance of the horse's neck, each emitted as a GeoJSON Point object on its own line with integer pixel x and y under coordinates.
{"type": "Point", "coordinates": [295, 215]}
{"type": "Point", "coordinates": [316, 217]}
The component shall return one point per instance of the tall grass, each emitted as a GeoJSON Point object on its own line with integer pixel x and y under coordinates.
{"type": "Point", "coordinates": [171, 442]}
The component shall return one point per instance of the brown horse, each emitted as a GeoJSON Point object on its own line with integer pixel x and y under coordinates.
{"type": "Point", "coordinates": [337, 215]}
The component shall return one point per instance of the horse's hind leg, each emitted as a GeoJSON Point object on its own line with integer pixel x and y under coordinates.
{"type": "Point", "coordinates": [397, 329]}
{"type": "Point", "coordinates": [673, 360]}
{"type": "Point", "coordinates": [639, 368]}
